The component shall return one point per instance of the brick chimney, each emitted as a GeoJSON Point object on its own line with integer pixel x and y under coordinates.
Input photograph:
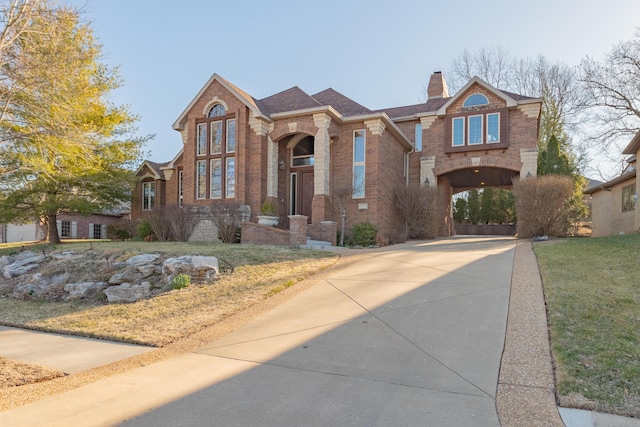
{"type": "Point", "coordinates": [437, 86]}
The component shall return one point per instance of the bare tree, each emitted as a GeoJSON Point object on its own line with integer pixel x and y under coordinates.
{"type": "Point", "coordinates": [613, 93]}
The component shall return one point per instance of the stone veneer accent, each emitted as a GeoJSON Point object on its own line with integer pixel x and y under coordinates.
{"type": "Point", "coordinates": [261, 127]}
{"type": "Point", "coordinates": [530, 110]}
{"type": "Point", "coordinates": [529, 159]}
{"type": "Point", "coordinates": [272, 168]}
{"type": "Point", "coordinates": [427, 163]}
{"type": "Point", "coordinates": [322, 144]}
{"type": "Point", "coordinates": [376, 127]}
{"type": "Point", "coordinates": [215, 100]}
{"type": "Point", "coordinates": [426, 122]}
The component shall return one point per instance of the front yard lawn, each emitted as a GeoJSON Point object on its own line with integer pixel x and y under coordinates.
{"type": "Point", "coordinates": [250, 273]}
{"type": "Point", "coordinates": [592, 291]}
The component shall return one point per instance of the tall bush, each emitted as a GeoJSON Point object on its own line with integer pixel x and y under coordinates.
{"type": "Point", "coordinates": [227, 218]}
{"type": "Point", "coordinates": [542, 204]}
{"type": "Point", "coordinates": [417, 207]}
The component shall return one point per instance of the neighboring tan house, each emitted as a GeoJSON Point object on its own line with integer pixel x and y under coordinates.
{"type": "Point", "coordinates": [300, 151]}
{"type": "Point", "coordinates": [77, 226]}
{"type": "Point", "coordinates": [613, 204]}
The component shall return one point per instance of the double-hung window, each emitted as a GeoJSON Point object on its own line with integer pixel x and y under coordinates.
{"type": "Point", "coordinates": [358, 163]}
{"type": "Point", "coordinates": [475, 130]}
{"type": "Point", "coordinates": [629, 198]}
{"type": "Point", "coordinates": [215, 155]}
{"type": "Point", "coordinates": [148, 195]}
{"type": "Point", "coordinates": [458, 132]}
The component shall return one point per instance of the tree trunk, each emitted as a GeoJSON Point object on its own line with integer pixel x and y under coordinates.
{"type": "Point", "coordinates": [52, 230]}
{"type": "Point", "coordinates": [342, 230]}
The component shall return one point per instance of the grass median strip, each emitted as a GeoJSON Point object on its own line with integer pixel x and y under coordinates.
{"type": "Point", "coordinates": [592, 291]}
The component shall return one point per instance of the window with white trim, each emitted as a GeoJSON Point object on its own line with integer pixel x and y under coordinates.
{"type": "Point", "coordinates": [475, 100]}
{"type": "Point", "coordinates": [493, 128]}
{"type": "Point", "coordinates": [65, 229]}
{"type": "Point", "coordinates": [201, 179]}
{"type": "Point", "coordinates": [180, 188]}
{"type": "Point", "coordinates": [148, 195]}
{"type": "Point", "coordinates": [359, 143]}
{"type": "Point", "coordinates": [480, 129]}
{"type": "Point", "coordinates": [475, 130]}
{"type": "Point", "coordinates": [457, 139]}
{"type": "Point", "coordinates": [629, 198]}
{"type": "Point", "coordinates": [216, 146]}
{"type": "Point", "coordinates": [418, 143]}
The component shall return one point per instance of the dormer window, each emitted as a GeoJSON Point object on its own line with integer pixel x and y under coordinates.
{"type": "Point", "coordinates": [475, 100]}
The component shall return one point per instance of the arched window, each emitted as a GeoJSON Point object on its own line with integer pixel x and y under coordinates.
{"type": "Point", "coordinates": [217, 111]}
{"type": "Point", "coordinates": [475, 100]}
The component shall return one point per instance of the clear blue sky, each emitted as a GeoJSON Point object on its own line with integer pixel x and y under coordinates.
{"type": "Point", "coordinates": [378, 53]}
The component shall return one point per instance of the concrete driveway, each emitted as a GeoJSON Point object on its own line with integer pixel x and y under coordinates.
{"type": "Point", "coordinates": [410, 335]}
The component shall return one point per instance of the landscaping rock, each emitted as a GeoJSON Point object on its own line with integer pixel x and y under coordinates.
{"type": "Point", "coordinates": [127, 276]}
{"type": "Point", "coordinates": [147, 270]}
{"type": "Point", "coordinates": [83, 289]}
{"type": "Point", "coordinates": [127, 292]}
{"type": "Point", "coordinates": [29, 289]}
{"type": "Point", "coordinates": [65, 255]}
{"type": "Point", "coordinates": [142, 259]}
{"type": "Point", "coordinates": [22, 264]}
{"type": "Point", "coordinates": [199, 268]}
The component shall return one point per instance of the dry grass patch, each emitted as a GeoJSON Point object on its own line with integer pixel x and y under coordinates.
{"type": "Point", "coordinates": [251, 273]}
{"type": "Point", "coordinates": [17, 373]}
{"type": "Point", "coordinates": [592, 291]}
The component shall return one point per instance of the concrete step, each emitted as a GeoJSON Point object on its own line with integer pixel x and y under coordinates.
{"type": "Point", "coordinates": [316, 244]}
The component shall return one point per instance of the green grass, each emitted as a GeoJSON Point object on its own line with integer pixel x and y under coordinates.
{"type": "Point", "coordinates": [592, 290]}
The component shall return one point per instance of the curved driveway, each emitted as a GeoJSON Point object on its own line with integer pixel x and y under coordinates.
{"type": "Point", "coordinates": [409, 335]}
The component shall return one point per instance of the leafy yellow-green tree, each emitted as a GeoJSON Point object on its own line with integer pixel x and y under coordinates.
{"type": "Point", "coordinates": [66, 148]}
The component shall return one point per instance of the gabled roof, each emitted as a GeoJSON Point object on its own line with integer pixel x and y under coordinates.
{"type": "Point", "coordinates": [609, 184]}
{"type": "Point", "coordinates": [288, 100]}
{"type": "Point", "coordinates": [633, 146]}
{"type": "Point", "coordinates": [247, 99]}
{"type": "Point", "coordinates": [156, 168]}
{"type": "Point", "coordinates": [344, 105]}
{"type": "Point", "coordinates": [511, 99]}
{"type": "Point", "coordinates": [411, 111]}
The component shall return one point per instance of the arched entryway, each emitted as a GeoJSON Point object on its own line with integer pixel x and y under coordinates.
{"type": "Point", "coordinates": [484, 182]}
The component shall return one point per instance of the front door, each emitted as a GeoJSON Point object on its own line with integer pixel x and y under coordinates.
{"type": "Point", "coordinates": [301, 192]}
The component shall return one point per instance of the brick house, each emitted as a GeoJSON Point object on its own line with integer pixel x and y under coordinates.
{"type": "Point", "coordinates": [613, 204]}
{"type": "Point", "coordinates": [301, 151]}
{"type": "Point", "coordinates": [76, 226]}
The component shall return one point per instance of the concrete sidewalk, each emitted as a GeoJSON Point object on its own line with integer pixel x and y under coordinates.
{"type": "Point", "coordinates": [410, 335]}
{"type": "Point", "coordinates": [63, 353]}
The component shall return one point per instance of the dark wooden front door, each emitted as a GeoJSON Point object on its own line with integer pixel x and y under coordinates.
{"type": "Point", "coordinates": [306, 193]}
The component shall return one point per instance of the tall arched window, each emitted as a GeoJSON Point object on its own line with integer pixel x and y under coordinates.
{"type": "Point", "coordinates": [215, 154]}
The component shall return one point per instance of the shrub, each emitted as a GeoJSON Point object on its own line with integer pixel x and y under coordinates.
{"type": "Point", "coordinates": [364, 234]}
{"type": "Point", "coordinates": [144, 229]}
{"type": "Point", "coordinates": [120, 230]}
{"type": "Point", "coordinates": [269, 208]}
{"type": "Point", "coordinates": [227, 217]}
{"type": "Point", "coordinates": [417, 207]}
{"type": "Point", "coordinates": [180, 281]}
{"type": "Point", "coordinates": [542, 204]}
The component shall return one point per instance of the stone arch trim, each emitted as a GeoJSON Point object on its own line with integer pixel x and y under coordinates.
{"type": "Point", "coordinates": [451, 165]}
{"type": "Point", "coordinates": [284, 129]}
{"type": "Point", "coordinates": [215, 100]}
